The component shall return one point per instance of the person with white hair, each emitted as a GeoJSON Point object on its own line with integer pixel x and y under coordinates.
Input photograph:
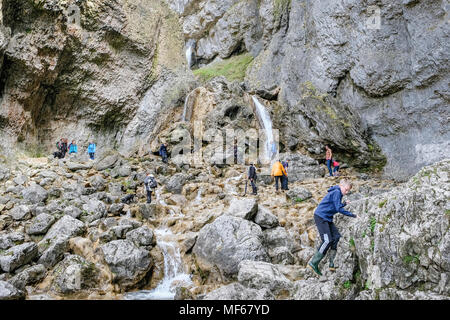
{"type": "Point", "coordinates": [323, 217]}
{"type": "Point", "coordinates": [150, 186]}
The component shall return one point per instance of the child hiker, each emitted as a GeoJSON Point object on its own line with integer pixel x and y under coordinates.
{"type": "Point", "coordinates": [323, 217]}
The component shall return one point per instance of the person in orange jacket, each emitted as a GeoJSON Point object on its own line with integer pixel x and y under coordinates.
{"type": "Point", "coordinates": [278, 172]}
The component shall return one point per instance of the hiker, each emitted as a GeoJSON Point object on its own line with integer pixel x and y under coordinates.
{"type": "Point", "coordinates": [63, 147]}
{"type": "Point", "coordinates": [252, 178]}
{"type": "Point", "coordinates": [328, 157]}
{"type": "Point", "coordinates": [278, 172]}
{"type": "Point", "coordinates": [323, 217]}
{"type": "Point", "coordinates": [91, 150]}
{"type": "Point", "coordinates": [284, 179]}
{"type": "Point", "coordinates": [58, 154]}
{"type": "Point", "coordinates": [73, 148]}
{"type": "Point", "coordinates": [335, 168]}
{"type": "Point", "coordinates": [163, 152]}
{"type": "Point", "coordinates": [150, 186]}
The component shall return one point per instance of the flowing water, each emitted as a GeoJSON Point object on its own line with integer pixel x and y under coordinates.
{"type": "Point", "coordinates": [264, 116]}
{"type": "Point", "coordinates": [189, 52]}
{"type": "Point", "coordinates": [183, 117]}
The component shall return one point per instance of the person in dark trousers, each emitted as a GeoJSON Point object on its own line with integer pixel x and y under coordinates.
{"type": "Point", "coordinates": [328, 157]}
{"type": "Point", "coordinates": [284, 179]}
{"type": "Point", "coordinates": [63, 147]}
{"type": "Point", "coordinates": [91, 150]}
{"type": "Point", "coordinates": [150, 186]}
{"type": "Point", "coordinates": [323, 217]}
{"type": "Point", "coordinates": [252, 178]}
{"type": "Point", "coordinates": [278, 172]}
{"type": "Point", "coordinates": [163, 152]}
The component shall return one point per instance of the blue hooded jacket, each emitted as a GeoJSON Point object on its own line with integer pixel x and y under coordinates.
{"type": "Point", "coordinates": [332, 204]}
{"type": "Point", "coordinates": [91, 148]}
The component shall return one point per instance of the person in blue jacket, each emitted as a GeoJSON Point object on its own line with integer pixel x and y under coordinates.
{"type": "Point", "coordinates": [163, 152]}
{"type": "Point", "coordinates": [73, 148]}
{"type": "Point", "coordinates": [91, 150]}
{"type": "Point", "coordinates": [323, 217]}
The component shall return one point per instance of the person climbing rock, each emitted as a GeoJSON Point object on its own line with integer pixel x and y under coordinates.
{"type": "Point", "coordinates": [150, 186]}
{"type": "Point", "coordinates": [335, 168]}
{"type": "Point", "coordinates": [328, 157]}
{"type": "Point", "coordinates": [278, 172]}
{"type": "Point", "coordinates": [91, 150]}
{"type": "Point", "coordinates": [73, 148]}
{"type": "Point", "coordinates": [252, 178]}
{"type": "Point", "coordinates": [323, 217]}
{"type": "Point", "coordinates": [163, 152]}
{"type": "Point", "coordinates": [284, 179]}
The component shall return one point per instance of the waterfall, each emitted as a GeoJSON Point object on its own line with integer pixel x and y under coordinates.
{"type": "Point", "coordinates": [190, 44]}
{"type": "Point", "coordinates": [264, 116]}
{"type": "Point", "coordinates": [186, 106]}
{"type": "Point", "coordinates": [174, 273]}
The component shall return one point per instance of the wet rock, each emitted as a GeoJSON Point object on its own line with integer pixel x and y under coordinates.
{"type": "Point", "coordinates": [236, 291]}
{"type": "Point", "coordinates": [29, 276]}
{"type": "Point", "coordinates": [40, 224]}
{"type": "Point", "coordinates": [74, 274]}
{"type": "Point", "coordinates": [243, 208]}
{"type": "Point", "coordinates": [142, 237]}
{"type": "Point", "coordinates": [9, 292]}
{"type": "Point", "coordinates": [128, 263]}
{"type": "Point", "coordinates": [227, 241]}
{"type": "Point", "coordinates": [35, 194]}
{"type": "Point", "coordinates": [18, 256]}
{"type": "Point", "coordinates": [265, 218]}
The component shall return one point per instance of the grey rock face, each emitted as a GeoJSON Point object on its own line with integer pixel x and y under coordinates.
{"type": "Point", "coordinates": [66, 227]}
{"type": "Point", "coordinates": [243, 208]}
{"type": "Point", "coordinates": [28, 276]}
{"type": "Point", "coordinates": [257, 275]}
{"type": "Point", "coordinates": [9, 292]}
{"type": "Point", "coordinates": [236, 291]}
{"type": "Point", "coordinates": [176, 183]}
{"type": "Point", "coordinates": [94, 210]}
{"type": "Point", "coordinates": [35, 194]}
{"type": "Point", "coordinates": [141, 237]}
{"type": "Point", "coordinates": [74, 274]}
{"type": "Point", "coordinates": [279, 245]}
{"type": "Point", "coordinates": [18, 256]}
{"type": "Point", "coordinates": [227, 241]}
{"type": "Point", "coordinates": [8, 240]}
{"type": "Point", "coordinates": [265, 218]}
{"type": "Point", "coordinates": [40, 224]}
{"type": "Point", "coordinates": [22, 212]}
{"type": "Point", "coordinates": [298, 194]}
{"type": "Point", "coordinates": [128, 263]}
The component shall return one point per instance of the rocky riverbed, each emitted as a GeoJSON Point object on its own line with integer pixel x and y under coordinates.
{"type": "Point", "coordinates": [65, 233]}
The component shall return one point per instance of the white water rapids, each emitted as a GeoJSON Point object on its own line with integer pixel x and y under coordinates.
{"type": "Point", "coordinates": [264, 116]}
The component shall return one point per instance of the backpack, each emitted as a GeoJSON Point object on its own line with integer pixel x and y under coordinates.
{"type": "Point", "coordinates": [153, 183]}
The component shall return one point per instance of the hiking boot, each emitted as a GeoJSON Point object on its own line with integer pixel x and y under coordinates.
{"type": "Point", "coordinates": [332, 256]}
{"type": "Point", "coordinates": [314, 263]}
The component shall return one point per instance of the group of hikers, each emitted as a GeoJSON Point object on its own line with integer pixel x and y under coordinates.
{"type": "Point", "coordinates": [63, 148]}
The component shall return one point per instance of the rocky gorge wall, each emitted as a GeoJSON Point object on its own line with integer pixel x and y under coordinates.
{"type": "Point", "coordinates": [377, 93]}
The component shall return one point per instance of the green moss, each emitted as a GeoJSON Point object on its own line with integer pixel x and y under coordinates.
{"type": "Point", "coordinates": [373, 223]}
{"type": "Point", "coordinates": [233, 68]}
{"type": "Point", "coordinates": [347, 284]}
{"type": "Point", "coordinates": [279, 6]}
{"type": "Point", "coordinates": [382, 203]}
{"type": "Point", "coordinates": [447, 212]}
{"type": "Point", "coordinates": [352, 243]}
{"type": "Point", "coordinates": [409, 259]}
{"type": "Point", "coordinates": [298, 199]}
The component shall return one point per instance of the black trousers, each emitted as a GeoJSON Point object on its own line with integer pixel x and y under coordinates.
{"type": "Point", "coordinates": [284, 182]}
{"type": "Point", "coordinates": [278, 178]}
{"type": "Point", "coordinates": [254, 188]}
{"type": "Point", "coordinates": [149, 196]}
{"type": "Point", "coordinates": [329, 234]}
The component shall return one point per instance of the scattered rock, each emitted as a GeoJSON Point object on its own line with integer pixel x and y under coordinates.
{"type": "Point", "coordinates": [243, 208]}
{"type": "Point", "coordinates": [18, 256]}
{"type": "Point", "coordinates": [9, 292]}
{"type": "Point", "coordinates": [40, 224]}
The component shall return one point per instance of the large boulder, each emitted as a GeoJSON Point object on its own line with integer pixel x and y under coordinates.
{"type": "Point", "coordinates": [35, 193]}
{"type": "Point", "coordinates": [21, 212]}
{"type": "Point", "coordinates": [236, 291]}
{"type": "Point", "coordinates": [279, 245]}
{"type": "Point", "coordinates": [18, 256]}
{"type": "Point", "coordinates": [8, 240]}
{"type": "Point", "coordinates": [243, 208]}
{"type": "Point", "coordinates": [74, 274]}
{"type": "Point", "coordinates": [29, 276]}
{"type": "Point", "coordinates": [141, 237]}
{"type": "Point", "coordinates": [106, 162]}
{"type": "Point", "coordinates": [93, 210]}
{"type": "Point", "coordinates": [265, 218]}
{"type": "Point", "coordinates": [128, 263]}
{"type": "Point", "coordinates": [227, 241]}
{"type": "Point", "coordinates": [176, 183]}
{"type": "Point", "coordinates": [298, 194]}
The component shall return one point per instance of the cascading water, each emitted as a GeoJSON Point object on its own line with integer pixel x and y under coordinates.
{"type": "Point", "coordinates": [264, 116]}
{"type": "Point", "coordinates": [190, 52]}
{"type": "Point", "coordinates": [186, 105]}
{"type": "Point", "coordinates": [174, 273]}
